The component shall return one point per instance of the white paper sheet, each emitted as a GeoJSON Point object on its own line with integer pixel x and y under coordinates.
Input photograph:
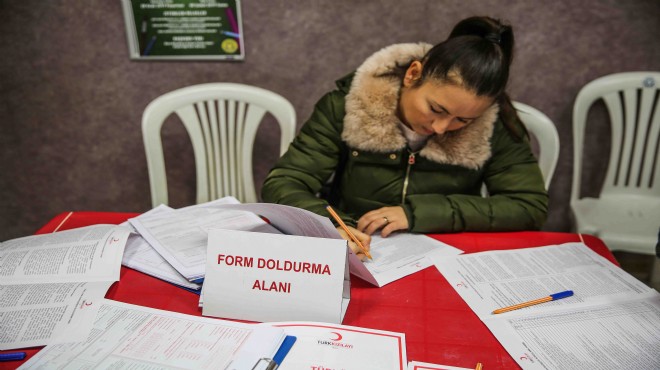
{"type": "Point", "coordinates": [180, 236]}
{"type": "Point", "coordinates": [611, 322]}
{"type": "Point", "coordinates": [133, 337]}
{"type": "Point", "coordinates": [141, 256]}
{"type": "Point", "coordinates": [289, 220]}
{"type": "Point", "coordinates": [51, 283]}
{"type": "Point", "coordinates": [496, 279]}
{"type": "Point", "coordinates": [416, 365]}
{"type": "Point", "coordinates": [403, 254]}
{"type": "Point", "coordinates": [329, 346]}
{"type": "Point", "coordinates": [623, 335]}
{"type": "Point", "coordinates": [91, 253]}
{"type": "Point", "coordinates": [39, 314]}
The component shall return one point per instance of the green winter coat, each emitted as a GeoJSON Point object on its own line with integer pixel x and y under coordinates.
{"type": "Point", "coordinates": [354, 132]}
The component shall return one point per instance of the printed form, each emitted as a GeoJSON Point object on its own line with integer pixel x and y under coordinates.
{"type": "Point", "coordinates": [180, 236]}
{"type": "Point", "coordinates": [52, 283]}
{"type": "Point", "coordinates": [416, 365]}
{"type": "Point", "coordinates": [611, 321]}
{"type": "Point", "coordinates": [141, 256]}
{"type": "Point", "coordinates": [403, 254]}
{"type": "Point", "coordinates": [90, 253]}
{"type": "Point", "coordinates": [331, 346]}
{"type": "Point", "coordinates": [36, 314]}
{"type": "Point", "coordinates": [135, 337]}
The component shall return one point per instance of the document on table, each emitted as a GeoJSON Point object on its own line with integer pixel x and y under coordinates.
{"type": "Point", "coordinates": [416, 365]}
{"type": "Point", "coordinates": [610, 322]}
{"type": "Point", "coordinates": [394, 257]}
{"type": "Point", "coordinates": [37, 314]}
{"type": "Point", "coordinates": [615, 335]}
{"type": "Point", "coordinates": [129, 336]}
{"type": "Point", "coordinates": [141, 256]}
{"type": "Point", "coordinates": [51, 283]}
{"type": "Point", "coordinates": [403, 254]}
{"type": "Point", "coordinates": [180, 236]}
{"type": "Point", "coordinates": [330, 346]}
{"type": "Point", "coordinates": [496, 279]}
{"type": "Point", "coordinates": [288, 220]}
{"type": "Point", "coordinates": [90, 253]}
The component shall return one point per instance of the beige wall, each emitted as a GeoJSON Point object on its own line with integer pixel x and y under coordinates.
{"type": "Point", "coordinates": [72, 100]}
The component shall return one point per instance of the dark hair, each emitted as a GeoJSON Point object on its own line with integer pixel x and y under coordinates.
{"type": "Point", "coordinates": [476, 55]}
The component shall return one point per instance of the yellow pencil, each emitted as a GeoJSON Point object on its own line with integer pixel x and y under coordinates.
{"type": "Point", "coordinates": [479, 366]}
{"type": "Point", "coordinates": [350, 234]}
{"type": "Point", "coordinates": [551, 297]}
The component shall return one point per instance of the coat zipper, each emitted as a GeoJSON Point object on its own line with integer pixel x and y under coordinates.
{"type": "Point", "coordinates": [411, 161]}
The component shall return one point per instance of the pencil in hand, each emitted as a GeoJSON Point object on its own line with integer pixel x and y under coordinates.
{"type": "Point", "coordinates": [348, 231]}
{"type": "Point", "coordinates": [551, 297]}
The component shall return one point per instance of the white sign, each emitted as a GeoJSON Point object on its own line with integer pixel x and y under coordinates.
{"type": "Point", "coordinates": [268, 277]}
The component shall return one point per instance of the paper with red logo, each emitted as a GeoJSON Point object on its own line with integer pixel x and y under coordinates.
{"type": "Point", "coordinates": [400, 255]}
{"type": "Point", "coordinates": [610, 322]}
{"type": "Point", "coordinates": [51, 283]}
{"type": "Point", "coordinates": [41, 314]}
{"type": "Point", "coordinates": [91, 253]}
{"type": "Point", "coordinates": [322, 346]}
{"type": "Point", "coordinates": [416, 365]}
{"type": "Point", "coordinates": [271, 277]}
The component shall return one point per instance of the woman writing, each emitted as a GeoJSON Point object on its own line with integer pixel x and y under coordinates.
{"type": "Point", "coordinates": [408, 140]}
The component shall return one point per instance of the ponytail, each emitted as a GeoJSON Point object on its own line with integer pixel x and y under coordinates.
{"type": "Point", "coordinates": [477, 55]}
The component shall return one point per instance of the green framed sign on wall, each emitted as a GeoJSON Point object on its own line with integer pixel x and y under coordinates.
{"type": "Point", "coordinates": [184, 29]}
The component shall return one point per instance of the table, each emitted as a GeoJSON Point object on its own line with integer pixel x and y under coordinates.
{"type": "Point", "coordinates": [439, 325]}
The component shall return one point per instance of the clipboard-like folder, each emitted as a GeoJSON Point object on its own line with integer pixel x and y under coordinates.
{"type": "Point", "coordinates": [274, 363]}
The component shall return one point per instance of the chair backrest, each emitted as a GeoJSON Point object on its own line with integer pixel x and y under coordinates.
{"type": "Point", "coordinates": [632, 102]}
{"type": "Point", "coordinates": [545, 132]}
{"type": "Point", "coordinates": [222, 121]}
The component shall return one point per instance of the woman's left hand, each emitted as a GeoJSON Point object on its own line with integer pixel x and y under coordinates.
{"type": "Point", "coordinates": [389, 219]}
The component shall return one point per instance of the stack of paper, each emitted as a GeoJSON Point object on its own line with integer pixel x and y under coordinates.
{"type": "Point", "coordinates": [52, 283]}
{"type": "Point", "coordinates": [180, 235]}
{"type": "Point", "coordinates": [141, 256]}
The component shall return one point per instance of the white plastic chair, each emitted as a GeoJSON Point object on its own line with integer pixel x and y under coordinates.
{"type": "Point", "coordinates": [222, 121]}
{"type": "Point", "coordinates": [545, 132]}
{"type": "Point", "coordinates": [626, 214]}
{"type": "Point", "coordinates": [540, 127]}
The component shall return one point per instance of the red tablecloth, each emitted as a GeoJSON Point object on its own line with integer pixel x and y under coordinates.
{"type": "Point", "coordinates": [439, 325]}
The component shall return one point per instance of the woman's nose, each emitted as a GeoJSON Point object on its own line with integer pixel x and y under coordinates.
{"type": "Point", "coordinates": [440, 125]}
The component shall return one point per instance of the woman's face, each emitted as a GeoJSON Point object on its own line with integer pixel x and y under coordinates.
{"type": "Point", "coordinates": [435, 108]}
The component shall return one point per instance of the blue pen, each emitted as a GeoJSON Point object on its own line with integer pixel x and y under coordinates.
{"type": "Point", "coordinates": [551, 297]}
{"type": "Point", "coordinates": [147, 49]}
{"type": "Point", "coordinates": [232, 34]}
{"type": "Point", "coordinates": [12, 356]}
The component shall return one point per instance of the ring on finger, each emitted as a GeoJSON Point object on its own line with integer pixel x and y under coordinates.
{"type": "Point", "coordinates": [386, 220]}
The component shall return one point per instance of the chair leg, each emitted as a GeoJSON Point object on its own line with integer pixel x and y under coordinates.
{"type": "Point", "coordinates": [655, 273]}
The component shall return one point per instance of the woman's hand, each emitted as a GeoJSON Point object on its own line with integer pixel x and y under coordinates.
{"type": "Point", "coordinates": [389, 219]}
{"type": "Point", "coordinates": [364, 239]}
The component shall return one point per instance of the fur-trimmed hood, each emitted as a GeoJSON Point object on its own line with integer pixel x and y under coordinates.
{"type": "Point", "coordinates": [371, 123]}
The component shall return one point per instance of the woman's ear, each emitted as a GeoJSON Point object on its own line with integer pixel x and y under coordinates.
{"type": "Point", "coordinates": [413, 73]}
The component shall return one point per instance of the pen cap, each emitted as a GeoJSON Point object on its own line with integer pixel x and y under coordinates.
{"type": "Point", "coordinates": [561, 295]}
